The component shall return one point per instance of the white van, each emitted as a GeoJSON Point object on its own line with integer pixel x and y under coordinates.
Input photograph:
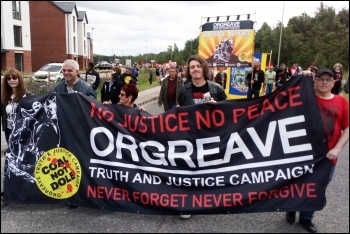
{"type": "Point", "coordinates": [54, 69]}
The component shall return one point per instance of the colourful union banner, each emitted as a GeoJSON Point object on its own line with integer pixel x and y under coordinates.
{"type": "Point", "coordinates": [229, 45]}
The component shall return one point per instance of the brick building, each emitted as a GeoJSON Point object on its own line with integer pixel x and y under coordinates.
{"type": "Point", "coordinates": [41, 32]}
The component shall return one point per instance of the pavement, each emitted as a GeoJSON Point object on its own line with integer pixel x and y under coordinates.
{"type": "Point", "coordinates": [148, 95]}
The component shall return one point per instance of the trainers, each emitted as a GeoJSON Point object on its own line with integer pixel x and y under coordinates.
{"type": "Point", "coordinates": [308, 225]}
{"type": "Point", "coordinates": [185, 216]}
{"type": "Point", "coordinates": [290, 216]}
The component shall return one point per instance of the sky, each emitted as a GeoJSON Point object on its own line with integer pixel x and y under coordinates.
{"type": "Point", "coordinates": [133, 28]}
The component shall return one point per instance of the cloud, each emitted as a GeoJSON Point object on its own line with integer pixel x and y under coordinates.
{"type": "Point", "coordinates": [132, 28]}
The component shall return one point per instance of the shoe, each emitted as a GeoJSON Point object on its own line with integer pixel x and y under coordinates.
{"type": "Point", "coordinates": [290, 216]}
{"type": "Point", "coordinates": [308, 225]}
{"type": "Point", "coordinates": [2, 199]}
{"type": "Point", "coordinates": [72, 207]}
{"type": "Point", "coordinates": [185, 216]}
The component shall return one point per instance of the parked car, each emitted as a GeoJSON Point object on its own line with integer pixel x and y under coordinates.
{"type": "Point", "coordinates": [104, 66]}
{"type": "Point", "coordinates": [54, 69]}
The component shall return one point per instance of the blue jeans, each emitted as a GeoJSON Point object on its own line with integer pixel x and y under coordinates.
{"type": "Point", "coordinates": [269, 88]}
{"type": "Point", "coordinates": [310, 214]}
{"type": "Point", "coordinates": [253, 92]}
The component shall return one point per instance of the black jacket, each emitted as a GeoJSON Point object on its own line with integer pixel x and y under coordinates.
{"type": "Point", "coordinates": [185, 97]}
{"type": "Point", "coordinates": [112, 94]}
{"type": "Point", "coordinates": [257, 83]}
{"type": "Point", "coordinates": [97, 80]}
{"type": "Point", "coordinates": [4, 114]}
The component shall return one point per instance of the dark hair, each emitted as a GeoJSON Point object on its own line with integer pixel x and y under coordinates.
{"type": "Point", "coordinates": [131, 89]}
{"type": "Point", "coordinates": [202, 62]}
{"type": "Point", "coordinates": [117, 70]}
{"type": "Point", "coordinates": [91, 64]}
{"type": "Point", "coordinates": [6, 89]}
{"type": "Point", "coordinates": [282, 76]}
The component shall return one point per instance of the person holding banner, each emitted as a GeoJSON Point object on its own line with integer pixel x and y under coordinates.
{"type": "Point", "coordinates": [71, 83]}
{"type": "Point", "coordinates": [199, 89]}
{"type": "Point", "coordinates": [193, 92]}
{"type": "Point", "coordinates": [255, 80]}
{"type": "Point", "coordinates": [12, 91]}
{"type": "Point", "coordinates": [334, 110]}
{"type": "Point", "coordinates": [128, 95]}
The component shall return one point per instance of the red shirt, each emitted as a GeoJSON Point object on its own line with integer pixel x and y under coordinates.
{"type": "Point", "coordinates": [335, 118]}
{"type": "Point", "coordinates": [171, 98]}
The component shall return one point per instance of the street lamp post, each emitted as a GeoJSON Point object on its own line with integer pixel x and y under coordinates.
{"type": "Point", "coordinates": [92, 44]}
{"type": "Point", "coordinates": [146, 56]}
{"type": "Point", "coordinates": [279, 46]}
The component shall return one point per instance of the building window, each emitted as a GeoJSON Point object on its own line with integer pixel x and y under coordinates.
{"type": "Point", "coordinates": [84, 47]}
{"type": "Point", "coordinates": [16, 10]}
{"type": "Point", "coordinates": [19, 62]}
{"type": "Point", "coordinates": [73, 23]}
{"type": "Point", "coordinates": [74, 45]}
{"type": "Point", "coordinates": [84, 30]}
{"type": "Point", "coordinates": [17, 35]}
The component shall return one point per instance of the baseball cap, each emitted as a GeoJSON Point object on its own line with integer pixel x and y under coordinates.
{"type": "Point", "coordinates": [128, 67]}
{"type": "Point", "coordinates": [323, 71]}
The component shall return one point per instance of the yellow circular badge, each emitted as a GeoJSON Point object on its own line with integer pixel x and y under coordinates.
{"type": "Point", "coordinates": [242, 57]}
{"type": "Point", "coordinates": [127, 79]}
{"type": "Point", "coordinates": [58, 173]}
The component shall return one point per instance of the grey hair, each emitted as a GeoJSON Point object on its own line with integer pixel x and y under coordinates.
{"type": "Point", "coordinates": [72, 63]}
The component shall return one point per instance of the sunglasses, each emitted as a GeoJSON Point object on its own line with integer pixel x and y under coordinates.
{"type": "Point", "coordinates": [122, 94]}
{"type": "Point", "coordinates": [12, 78]}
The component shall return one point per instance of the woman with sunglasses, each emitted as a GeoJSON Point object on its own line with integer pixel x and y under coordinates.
{"type": "Point", "coordinates": [128, 95]}
{"type": "Point", "coordinates": [12, 91]}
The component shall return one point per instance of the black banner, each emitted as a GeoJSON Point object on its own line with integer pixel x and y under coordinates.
{"type": "Point", "coordinates": [228, 25]}
{"type": "Point", "coordinates": [236, 156]}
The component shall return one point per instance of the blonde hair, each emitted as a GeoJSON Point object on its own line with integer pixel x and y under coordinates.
{"type": "Point", "coordinates": [338, 64]}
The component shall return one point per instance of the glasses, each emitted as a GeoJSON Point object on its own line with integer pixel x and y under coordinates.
{"type": "Point", "coordinates": [12, 78]}
{"type": "Point", "coordinates": [324, 79]}
{"type": "Point", "coordinates": [67, 70]}
{"type": "Point", "coordinates": [122, 94]}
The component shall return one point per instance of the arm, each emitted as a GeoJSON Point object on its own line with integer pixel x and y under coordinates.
{"type": "Point", "coordinates": [103, 91]}
{"type": "Point", "coordinates": [160, 97]}
{"type": "Point", "coordinates": [335, 152]}
{"type": "Point", "coordinates": [97, 81]}
{"type": "Point", "coordinates": [346, 86]}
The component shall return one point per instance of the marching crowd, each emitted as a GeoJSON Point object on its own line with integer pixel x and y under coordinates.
{"type": "Point", "coordinates": [194, 84]}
